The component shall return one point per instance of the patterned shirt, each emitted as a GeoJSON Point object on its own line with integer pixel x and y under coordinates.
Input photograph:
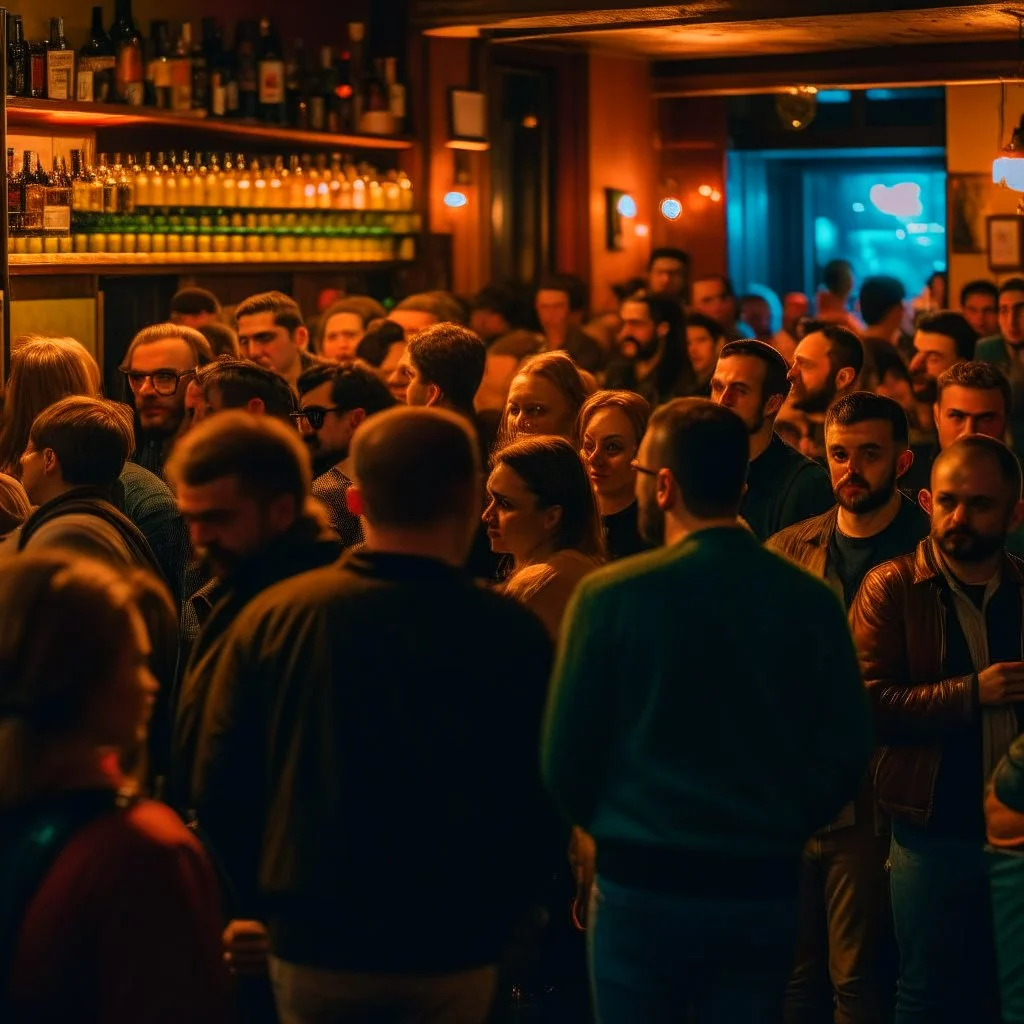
{"type": "Point", "coordinates": [330, 488]}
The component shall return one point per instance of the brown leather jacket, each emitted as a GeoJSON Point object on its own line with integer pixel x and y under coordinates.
{"type": "Point", "coordinates": [899, 627]}
{"type": "Point", "coordinates": [806, 543]}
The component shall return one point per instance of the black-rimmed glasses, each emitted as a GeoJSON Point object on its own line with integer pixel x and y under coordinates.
{"type": "Point", "coordinates": [637, 468]}
{"type": "Point", "coordinates": [164, 382]}
{"type": "Point", "coordinates": [314, 415]}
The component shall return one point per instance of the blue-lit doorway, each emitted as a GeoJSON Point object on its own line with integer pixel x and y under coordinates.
{"type": "Point", "coordinates": [791, 211]}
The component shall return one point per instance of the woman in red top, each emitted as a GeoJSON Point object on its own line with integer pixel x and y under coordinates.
{"type": "Point", "coordinates": [125, 924]}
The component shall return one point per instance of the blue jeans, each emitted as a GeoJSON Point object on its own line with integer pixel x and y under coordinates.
{"type": "Point", "coordinates": [943, 919]}
{"type": "Point", "coordinates": [656, 958]}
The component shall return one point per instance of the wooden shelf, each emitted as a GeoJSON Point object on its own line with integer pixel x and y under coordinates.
{"type": "Point", "coordinates": [27, 113]}
{"type": "Point", "coordinates": [131, 265]}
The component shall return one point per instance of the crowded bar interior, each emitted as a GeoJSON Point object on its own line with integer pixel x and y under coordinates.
{"type": "Point", "coordinates": [511, 512]}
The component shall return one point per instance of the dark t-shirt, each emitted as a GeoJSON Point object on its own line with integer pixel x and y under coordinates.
{"type": "Point", "coordinates": [783, 488]}
{"type": "Point", "coordinates": [622, 534]}
{"type": "Point", "coordinates": [851, 558]}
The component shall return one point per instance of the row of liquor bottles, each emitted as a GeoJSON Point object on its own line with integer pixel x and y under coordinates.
{"type": "Point", "coordinates": [41, 201]}
{"type": "Point", "coordinates": [331, 89]}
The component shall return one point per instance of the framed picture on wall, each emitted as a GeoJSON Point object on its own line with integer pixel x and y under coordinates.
{"type": "Point", "coordinates": [968, 209]}
{"type": "Point", "coordinates": [1005, 242]}
{"type": "Point", "coordinates": [467, 116]}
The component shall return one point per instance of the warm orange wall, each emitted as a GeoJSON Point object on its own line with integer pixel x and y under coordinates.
{"type": "Point", "coordinates": [693, 141]}
{"type": "Point", "coordinates": [621, 156]}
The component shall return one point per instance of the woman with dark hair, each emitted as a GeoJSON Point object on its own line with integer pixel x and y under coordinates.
{"type": "Point", "coordinates": [541, 511]}
{"type": "Point", "coordinates": [545, 397]}
{"type": "Point", "coordinates": [115, 915]}
{"type": "Point", "coordinates": [609, 430]}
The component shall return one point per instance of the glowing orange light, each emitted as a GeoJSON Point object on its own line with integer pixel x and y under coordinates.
{"type": "Point", "coordinates": [530, 121]}
{"type": "Point", "coordinates": [716, 196]}
{"type": "Point", "coordinates": [705, 190]}
{"type": "Point", "coordinates": [642, 230]}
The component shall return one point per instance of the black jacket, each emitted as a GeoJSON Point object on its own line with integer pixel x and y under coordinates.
{"type": "Point", "coordinates": [306, 546]}
{"type": "Point", "coordinates": [370, 756]}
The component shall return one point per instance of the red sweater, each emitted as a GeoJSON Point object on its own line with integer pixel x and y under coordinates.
{"type": "Point", "coordinates": [125, 928]}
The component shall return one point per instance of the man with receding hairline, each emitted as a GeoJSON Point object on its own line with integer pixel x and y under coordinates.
{"type": "Point", "coordinates": [396, 712]}
{"type": "Point", "coordinates": [940, 641]}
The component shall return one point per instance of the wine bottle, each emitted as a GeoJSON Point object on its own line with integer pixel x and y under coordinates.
{"type": "Point", "coordinates": [60, 64]}
{"type": "Point", "coordinates": [96, 61]}
{"type": "Point", "coordinates": [17, 58]}
{"type": "Point", "coordinates": [129, 71]}
{"type": "Point", "coordinates": [200, 68]}
{"type": "Point", "coordinates": [271, 75]}
{"type": "Point", "coordinates": [36, 57]}
{"type": "Point", "coordinates": [159, 83]}
{"type": "Point", "coordinates": [57, 202]}
{"type": "Point", "coordinates": [295, 83]}
{"type": "Point", "coordinates": [14, 187]}
{"type": "Point", "coordinates": [181, 70]}
{"type": "Point", "coordinates": [33, 195]}
{"type": "Point", "coordinates": [247, 69]}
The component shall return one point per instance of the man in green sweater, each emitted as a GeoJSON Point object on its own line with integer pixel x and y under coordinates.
{"type": "Point", "coordinates": [699, 741]}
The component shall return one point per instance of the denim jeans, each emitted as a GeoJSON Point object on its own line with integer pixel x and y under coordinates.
{"type": "Point", "coordinates": [660, 958]}
{"type": "Point", "coordinates": [943, 920]}
{"type": "Point", "coordinates": [1007, 874]}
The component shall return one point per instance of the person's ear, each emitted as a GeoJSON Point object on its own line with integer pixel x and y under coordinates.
{"type": "Point", "coordinates": [552, 517]}
{"type": "Point", "coordinates": [256, 407]}
{"type": "Point", "coordinates": [773, 405]}
{"type": "Point", "coordinates": [434, 394]}
{"type": "Point", "coordinates": [51, 464]}
{"type": "Point", "coordinates": [281, 512]}
{"type": "Point", "coordinates": [665, 490]}
{"type": "Point", "coordinates": [924, 499]}
{"type": "Point", "coordinates": [903, 463]}
{"type": "Point", "coordinates": [845, 377]}
{"type": "Point", "coordinates": [301, 338]}
{"type": "Point", "coordinates": [661, 330]}
{"type": "Point", "coordinates": [356, 417]}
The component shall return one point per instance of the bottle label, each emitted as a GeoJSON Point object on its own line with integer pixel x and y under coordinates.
{"type": "Point", "coordinates": [95, 79]}
{"type": "Point", "coordinates": [317, 113]}
{"type": "Point", "coordinates": [60, 74]}
{"type": "Point", "coordinates": [130, 74]}
{"type": "Point", "coordinates": [271, 81]}
{"type": "Point", "coordinates": [57, 218]}
{"type": "Point", "coordinates": [37, 74]}
{"type": "Point", "coordinates": [218, 100]}
{"type": "Point", "coordinates": [181, 85]}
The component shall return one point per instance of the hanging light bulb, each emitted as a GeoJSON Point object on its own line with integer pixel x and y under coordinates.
{"type": "Point", "coordinates": [1008, 169]}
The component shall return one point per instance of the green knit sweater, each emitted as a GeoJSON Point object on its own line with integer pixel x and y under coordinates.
{"type": "Point", "coordinates": [706, 699]}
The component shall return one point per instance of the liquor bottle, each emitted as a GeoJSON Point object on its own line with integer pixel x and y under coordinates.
{"type": "Point", "coordinates": [60, 64]}
{"type": "Point", "coordinates": [181, 71]}
{"type": "Point", "coordinates": [157, 191]}
{"type": "Point", "coordinates": [143, 174]}
{"type": "Point", "coordinates": [159, 83]}
{"type": "Point", "coordinates": [356, 35]}
{"type": "Point", "coordinates": [396, 92]}
{"type": "Point", "coordinates": [271, 75]}
{"type": "Point", "coordinates": [14, 187]}
{"type": "Point", "coordinates": [200, 67]}
{"type": "Point", "coordinates": [96, 61]}
{"type": "Point", "coordinates": [33, 195]}
{"type": "Point", "coordinates": [247, 69]}
{"type": "Point", "coordinates": [323, 99]}
{"type": "Point", "coordinates": [57, 202]}
{"type": "Point", "coordinates": [17, 58]}
{"type": "Point", "coordinates": [344, 93]}
{"type": "Point", "coordinates": [79, 183]}
{"type": "Point", "coordinates": [129, 70]}
{"type": "Point", "coordinates": [36, 58]}
{"type": "Point", "coordinates": [295, 88]}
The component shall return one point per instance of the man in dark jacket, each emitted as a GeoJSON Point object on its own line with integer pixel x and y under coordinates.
{"type": "Point", "coordinates": [939, 633]}
{"type": "Point", "coordinates": [243, 485]}
{"type": "Point", "coordinates": [783, 486]}
{"type": "Point", "coordinates": [370, 760]}
{"type": "Point", "coordinates": [844, 930]}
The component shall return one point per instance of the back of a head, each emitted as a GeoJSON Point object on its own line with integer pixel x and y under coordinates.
{"type": "Point", "coordinates": [239, 381]}
{"type": "Point", "coordinates": [267, 457]}
{"type": "Point", "coordinates": [283, 308]}
{"type": "Point", "coordinates": [91, 437]}
{"type": "Point", "coordinates": [222, 339]}
{"type": "Point", "coordinates": [706, 447]}
{"type": "Point", "coordinates": [955, 326]}
{"type": "Point", "coordinates": [194, 302]}
{"type": "Point", "coordinates": [354, 385]}
{"type": "Point", "coordinates": [15, 507]}
{"type": "Point", "coordinates": [416, 467]}
{"type": "Point", "coordinates": [978, 376]}
{"type": "Point", "coordinates": [552, 470]}
{"type": "Point", "coordinates": [981, 287]}
{"type": "Point", "coordinates": [845, 348]}
{"type": "Point", "coordinates": [198, 345]}
{"type": "Point", "coordinates": [439, 304]}
{"type": "Point", "coordinates": [973, 447]}
{"type": "Point", "coordinates": [505, 301]}
{"type": "Point", "coordinates": [714, 329]}
{"type": "Point", "coordinates": [880, 296]}
{"type": "Point", "coordinates": [375, 343]}
{"type": "Point", "coordinates": [837, 277]}
{"type": "Point", "coordinates": [452, 357]}
{"type": "Point", "coordinates": [863, 406]}
{"type": "Point", "coordinates": [776, 369]}
{"type": "Point", "coordinates": [570, 284]}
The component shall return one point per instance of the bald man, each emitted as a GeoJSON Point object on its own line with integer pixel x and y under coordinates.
{"type": "Point", "coordinates": [940, 642]}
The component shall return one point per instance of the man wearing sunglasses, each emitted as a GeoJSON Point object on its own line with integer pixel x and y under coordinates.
{"type": "Point", "coordinates": [160, 362]}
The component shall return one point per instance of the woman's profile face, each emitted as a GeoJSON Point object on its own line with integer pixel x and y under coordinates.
{"type": "Point", "coordinates": [515, 524]}
{"type": "Point", "coordinates": [536, 406]}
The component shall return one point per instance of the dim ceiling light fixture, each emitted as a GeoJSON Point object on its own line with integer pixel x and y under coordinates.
{"type": "Point", "coordinates": [455, 200]}
{"type": "Point", "coordinates": [626, 206]}
{"type": "Point", "coordinates": [671, 209]}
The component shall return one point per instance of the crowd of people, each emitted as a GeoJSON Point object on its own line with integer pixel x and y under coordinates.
{"type": "Point", "coordinates": [473, 662]}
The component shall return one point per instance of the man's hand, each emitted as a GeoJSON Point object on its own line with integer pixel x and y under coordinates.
{"type": "Point", "coordinates": [246, 947]}
{"type": "Point", "coordinates": [1001, 683]}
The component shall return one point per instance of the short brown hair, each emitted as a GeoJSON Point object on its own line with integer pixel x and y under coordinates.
{"type": "Point", "coordinates": [199, 346]}
{"type": "Point", "coordinates": [439, 304]}
{"type": "Point", "coordinates": [979, 376]}
{"type": "Point", "coordinates": [635, 407]}
{"type": "Point", "coordinates": [91, 437]}
{"type": "Point", "coordinates": [193, 301]}
{"type": "Point", "coordinates": [223, 339]}
{"type": "Point", "coordinates": [416, 466]}
{"type": "Point", "coordinates": [268, 457]}
{"type": "Point", "coordinates": [362, 306]}
{"type": "Point", "coordinates": [284, 308]}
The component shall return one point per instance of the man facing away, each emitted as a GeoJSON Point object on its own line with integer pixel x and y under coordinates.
{"type": "Point", "coordinates": [940, 641]}
{"type": "Point", "coordinates": [844, 938]}
{"type": "Point", "coordinates": [399, 752]}
{"type": "Point", "coordinates": [694, 909]}
{"type": "Point", "coordinates": [783, 486]}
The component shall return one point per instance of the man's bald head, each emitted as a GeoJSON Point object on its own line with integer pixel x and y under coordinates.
{"type": "Point", "coordinates": [415, 467]}
{"type": "Point", "coordinates": [977, 447]}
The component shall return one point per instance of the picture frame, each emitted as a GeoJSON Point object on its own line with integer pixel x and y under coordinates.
{"type": "Point", "coordinates": [467, 116]}
{"type": "Point", "coordinates": [969, 198]}
{"type": "Point", "coordinates": [1005, 233]}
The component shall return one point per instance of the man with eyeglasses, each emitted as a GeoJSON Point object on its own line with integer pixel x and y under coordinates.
{"type": "Point", "coordinates": [334, 402]}
{"type": "Point", "coordinates": [159, 363]}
